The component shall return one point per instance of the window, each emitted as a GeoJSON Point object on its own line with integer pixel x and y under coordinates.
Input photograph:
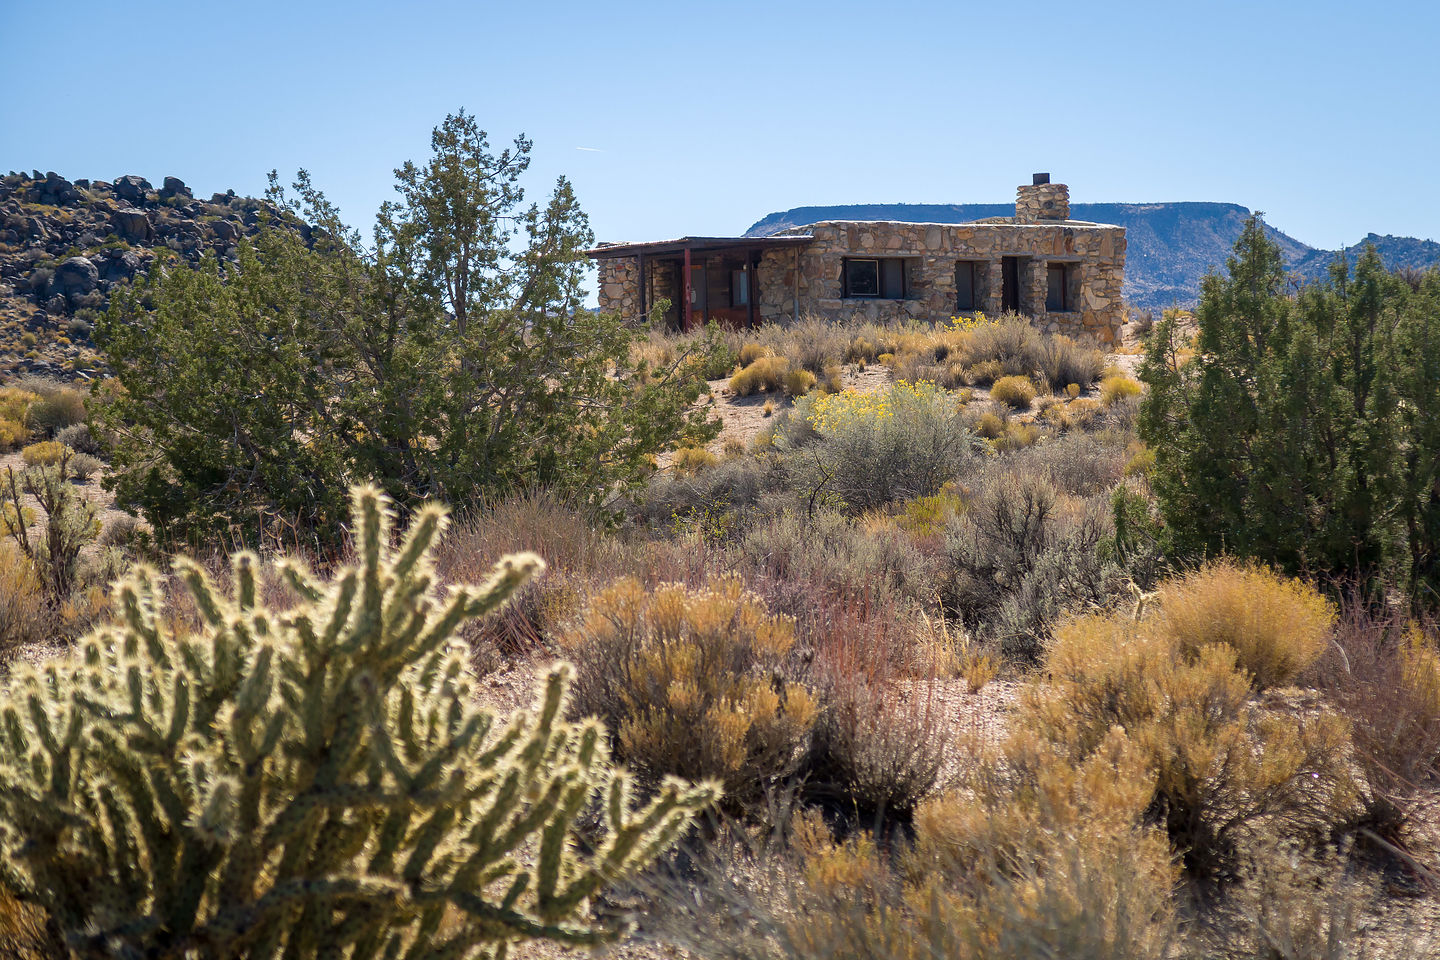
{"type": "Point", "coordinates": [883, 279]}
{"type": "Point", "coordinates": [968, 277]}
{"type": "Point", "coordinates": [739, 288]}
{"type": "Point", "coordinates": [1057, 296]}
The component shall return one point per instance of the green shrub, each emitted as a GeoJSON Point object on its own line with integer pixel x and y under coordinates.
{"type": "Point", "coordinates": [866, 450]}
{"type": "Point", "coordinates": [84, 467]}
{"type": "Point", "coordinates": [1012, 346]}
{"type": "Point", "coordinates": [849, 557]}
{"type": "Point", "coordinates": [1023, 556]}
{"type": "Point", "coordinates": [733, 486]}
{"type": "Point", "coordinates": [1015, 392]}
{"type": "Point", "coordinates": [328, 762]}
{"type": "Point", "coordinates": [690, 681]}
{"type": "Point", "coordinates": [1276, 625]}
{"type": "Point", "coordinates": [66, 523]}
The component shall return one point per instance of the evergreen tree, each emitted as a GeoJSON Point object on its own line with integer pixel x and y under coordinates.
{"type": "Point", "coordinates": [1298, 432]}
{"type": "Point", "coordinates": [452, 358]}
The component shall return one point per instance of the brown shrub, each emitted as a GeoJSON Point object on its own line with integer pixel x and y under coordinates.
{"type": "Point", "coordinates": [876, 752]}
{"type": "Point", "coordinates": [1220, 769]}
{"type": "Point", "coordinates": [25, 934]}
{"type": "Point", "coordinates": [23, 617]}
{"type": "Point", "coordinates": [691, 682]}
{"type": "Point", "coordinates": [575, 550]}
{"type": "Point", "coordinates": [1276, 625]}
{"type": "Point", "coordinates": [1384, 674]}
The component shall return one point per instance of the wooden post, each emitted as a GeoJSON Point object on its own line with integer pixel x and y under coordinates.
{"type": "Point", "coordinates": [644, 314]}
{"type": "Point", "coordinates": [795, 300]}
{"type": "Point", "coordinates": [751, 261]}
{"type": "Point", "coordinates": [685, 290]}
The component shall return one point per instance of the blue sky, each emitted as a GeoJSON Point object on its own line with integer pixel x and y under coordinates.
{"type": "Point", "coordinates": [699, 118]}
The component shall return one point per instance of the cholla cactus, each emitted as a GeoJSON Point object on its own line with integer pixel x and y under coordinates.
{"type": "Point", "coordinates": [314, 782]}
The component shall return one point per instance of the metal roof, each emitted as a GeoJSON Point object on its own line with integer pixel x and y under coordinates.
{"type": "Point", "coordinates": [695, 245]}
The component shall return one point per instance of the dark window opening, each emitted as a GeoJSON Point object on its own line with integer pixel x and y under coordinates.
{"type": "Point", "coordinates": [883, 279]}
{"type": "Point", "coordinates": [1057, 294]}
{"type": "Point", "coordinates": [968, 278]}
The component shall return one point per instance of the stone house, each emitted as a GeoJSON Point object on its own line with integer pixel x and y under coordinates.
{"type": "Point", "coordinates": [1065, 274]}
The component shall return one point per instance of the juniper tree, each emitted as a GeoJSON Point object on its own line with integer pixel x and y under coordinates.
{"type": "Point", "coordinates": [451, 358]}
{"type": "Point", "coordinates": [310, 782]}
{"type": "Point", "coordinates": [1303, 430]}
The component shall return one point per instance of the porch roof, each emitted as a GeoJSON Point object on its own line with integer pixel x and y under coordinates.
{"type": "Point", "coordinates": [694, 245]}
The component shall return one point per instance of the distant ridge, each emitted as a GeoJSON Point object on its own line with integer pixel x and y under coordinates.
{"type": "Point", "coordinates": [1171, 245]}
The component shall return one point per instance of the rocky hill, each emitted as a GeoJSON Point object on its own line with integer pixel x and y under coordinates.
{"type": "Point", "coordinates": [64, 245]}
{"type": "Point", "coordinates": [1171, 245]}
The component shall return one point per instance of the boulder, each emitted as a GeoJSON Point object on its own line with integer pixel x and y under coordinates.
{"type": "Point", "coordinates": [226, 231]}
{"type": "Point", "coordinates": [132, 224]}
{"type": "Point", "coordinates": [122, 267]}
{"type": "Point", "coordinates": [56, 190]}
{"type": "Point", "coordinates": [132, 188]}
{"type": "Point", "coordinates": [76, 275]}
{"type": "Point", "coordinates": [174, 187]}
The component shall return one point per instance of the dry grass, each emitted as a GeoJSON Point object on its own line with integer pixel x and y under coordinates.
{"type": "Point", "coordinates": [1384, 674]}
{"type": "Point", "coordinates": [1117, 387]}
{"type": "Point", "coordinates": [688, 461]}
{"type": "Point", "coordinates": [24, 617]}
{"type": "Point", "coordinates": [1276, 625]}
{"type": "Point", "coordinates": [1015, 391]}
{"type": "Point", "coordinates": [765, 373]}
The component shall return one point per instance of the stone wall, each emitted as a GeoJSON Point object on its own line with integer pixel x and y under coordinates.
{"type": "Point", "coordinates": [1094, 255]}
{"type": "Point", "coordinates": [1042, 201]}
{"type": "Point", "coordinates": [620, 286]}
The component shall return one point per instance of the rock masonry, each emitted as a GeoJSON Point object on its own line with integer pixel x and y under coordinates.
{"type": "Point", "coordinates": [1039, 235]}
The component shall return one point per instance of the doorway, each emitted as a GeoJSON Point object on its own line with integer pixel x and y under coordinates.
{"type": "Point", "coordinates": [1010, 284]}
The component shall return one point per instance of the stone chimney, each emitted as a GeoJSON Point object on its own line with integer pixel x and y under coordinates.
{"type": "Point", "coordinates": [1042, 200]}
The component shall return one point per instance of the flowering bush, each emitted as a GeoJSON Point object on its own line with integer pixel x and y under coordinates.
{"type": "Point", "coordinates": [861, 450]}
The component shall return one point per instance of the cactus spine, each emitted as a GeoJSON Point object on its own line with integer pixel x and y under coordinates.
{"type": "Point", "coordinates": [312, 782]}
